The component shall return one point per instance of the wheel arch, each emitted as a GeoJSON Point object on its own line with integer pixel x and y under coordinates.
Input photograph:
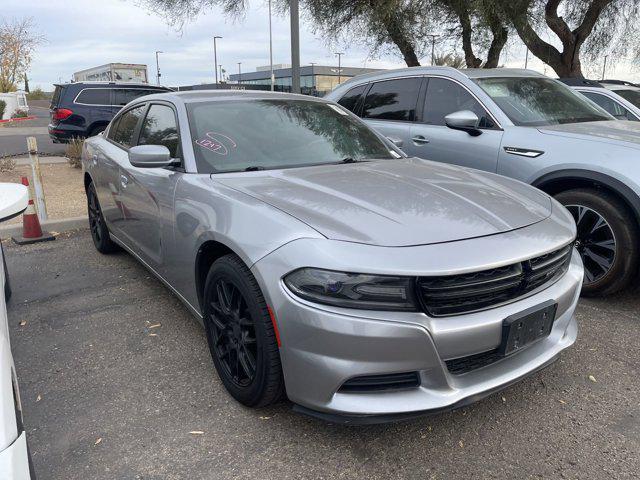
{"type": "Point", "coordinates": [556, 182]}
{"type": "Point", "coordinates": [208, 252]}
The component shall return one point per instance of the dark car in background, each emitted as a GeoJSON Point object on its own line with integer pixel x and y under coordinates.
{"type": "Point", "coordinates": [84, 109]}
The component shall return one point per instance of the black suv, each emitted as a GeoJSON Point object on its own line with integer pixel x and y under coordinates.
{"type": "Point", "coordinates": [84, 109]}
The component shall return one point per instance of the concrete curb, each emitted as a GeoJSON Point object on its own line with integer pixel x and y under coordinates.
{"type": "Point", "coordinates": [54, 225]}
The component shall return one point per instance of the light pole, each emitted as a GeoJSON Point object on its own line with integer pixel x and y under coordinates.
{"type": "Point", "coordinates": [215, 57]}
{"type": "Point", "coordinates": [339, 54]}
{"type": "Point", "coordinates": [295, 45]}
{"type": "Point", "coordinates": [158, 67]}
{"type": "Point", "coordinates": [239, 72]}
{"type": "Point", "coordinates": [604, 67]}
{"type": "Point", "coordinates": [433, 47]}
{"type": "Point", "coordinates": [271, 49]}
{"type": "Point", "coordinates": [526, 59]}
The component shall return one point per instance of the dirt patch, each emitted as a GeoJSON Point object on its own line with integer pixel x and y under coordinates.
{"type": "Point", "coordinates": [63, 189]}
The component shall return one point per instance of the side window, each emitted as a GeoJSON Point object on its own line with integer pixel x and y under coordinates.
{"type": "Point", "coordinates": [610, 105]}
{"type": "Point", "coordinates": [122, 96]}
{"type": "Point", "coordinates": [124, 127]}
{"type": "Point", "coordinates": [445, 97]}
{"type": "Point", "coordinates": [351, 98]}
{"type": "Point", "coordinates": [393, 99]}
{"type": "Point", "coordinates": [160, 128]}
{"type": "Point", "coordinates": [94, 96]}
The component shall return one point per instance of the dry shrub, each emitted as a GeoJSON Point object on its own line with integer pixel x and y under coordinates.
{"type": "Point", "coordinates": [74, 152]}
{"type": "Point", "coordinates": [7, 164]}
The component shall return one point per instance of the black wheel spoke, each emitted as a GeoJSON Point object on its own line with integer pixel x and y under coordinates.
{"type": "Point", "coordinates": [595, 241]}
{"type": "Point", "coordinates": [232, 332]}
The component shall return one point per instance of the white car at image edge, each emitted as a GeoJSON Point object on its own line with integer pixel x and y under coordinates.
{"type": "Point", "coordinates": [14, 454]}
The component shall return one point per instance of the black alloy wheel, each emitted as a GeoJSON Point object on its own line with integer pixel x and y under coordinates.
{"type": "Point", "coordinates": [97, 225]}
{"type": "Point", "coordinates": [606, 239]}
{"type": "Point", "coordinates": [595, 242]}
{"type": "Point", "coordinates": [234, 335]}
{"type": "Point", "coordinates": [241, 335]}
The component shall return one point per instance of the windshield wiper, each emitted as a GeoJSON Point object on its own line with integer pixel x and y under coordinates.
{"type": "Point", "coordinates": [253, 168]}
{"type": "Point", "coordinates": [351, 160]}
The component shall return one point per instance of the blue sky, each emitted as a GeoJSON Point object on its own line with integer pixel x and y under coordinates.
{"type": "Point", "coordinates": [86, 33]}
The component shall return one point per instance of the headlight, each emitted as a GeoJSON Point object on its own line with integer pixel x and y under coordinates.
{"type": "Point", "coordinates": [353, 290]}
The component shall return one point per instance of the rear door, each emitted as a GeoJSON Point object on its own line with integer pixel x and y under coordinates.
{"type": "Point", "coordinates": [147, 193]}
{"type": "Point", "coordinates": [390, 108]}
{"type": "Point", "coordinates": [433, 140]}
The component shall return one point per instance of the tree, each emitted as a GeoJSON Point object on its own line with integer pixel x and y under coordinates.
{"type": "Point", "coordinates": [591, 27]}
{"type": "Point", "coordinates": [18, 42]}
{"type": "Point", "coordinates": [450, 60]}
{"type": "Point", "coordinates": [480, 25]}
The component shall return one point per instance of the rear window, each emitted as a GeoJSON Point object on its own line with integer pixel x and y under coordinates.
{"type": "Point", "coordinates": [94, 96]}
{"type": "Point", "coordinates": [122, 96]}
{"type": "Point", "coordinates": [393, 99]}
{"type": "Point", "coordinates": [55, 99]}
{"type": "Point", "coordinates": [124, 127]}
{"type": "Point", "coordinates": [351, 98]}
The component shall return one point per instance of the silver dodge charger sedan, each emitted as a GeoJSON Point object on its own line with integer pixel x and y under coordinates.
{"type": "Point", "coordinates": [327, 266]}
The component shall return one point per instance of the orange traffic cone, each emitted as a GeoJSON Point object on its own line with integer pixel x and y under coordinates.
{"type": "Point", "coordinates": [31, 230]}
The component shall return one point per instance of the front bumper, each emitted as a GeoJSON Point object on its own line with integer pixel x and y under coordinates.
{"type": "Point", "coordinates": [323, 347]}
{"type": "Point", "coordinates": [14, 460]}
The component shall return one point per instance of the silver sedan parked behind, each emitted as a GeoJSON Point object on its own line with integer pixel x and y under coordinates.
{"type": "Point", "coordinates": [327, 266]}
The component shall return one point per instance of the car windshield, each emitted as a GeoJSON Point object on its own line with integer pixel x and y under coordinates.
{"type": "Point", "coordinates": [538, 101]}
{"type": "Point", "coordinates": [256, 134]}
{"type": "Point", "coordinates": [632, 96]}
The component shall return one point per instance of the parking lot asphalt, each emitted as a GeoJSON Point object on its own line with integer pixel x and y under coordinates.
{"type": "Point", "coordinates": [117, 383]}
{"type": "Point", "coordinates": [13, 138]}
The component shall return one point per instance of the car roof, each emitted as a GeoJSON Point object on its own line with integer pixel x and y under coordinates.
{"type": "Point", "coordinates": [111, 84]}
{"type": "Point", "coordinates": [195, 96]}
{"type": "Point", "coordinates": [447, 71]}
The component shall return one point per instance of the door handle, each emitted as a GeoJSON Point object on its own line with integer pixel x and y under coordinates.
{"type": "Point", "coordinates": [420, 140]}
{"type": "Point", "coordinates": [124, 181]}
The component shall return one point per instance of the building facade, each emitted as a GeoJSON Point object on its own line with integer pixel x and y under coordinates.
{"type": "Point", "coordinates": [314, 79]}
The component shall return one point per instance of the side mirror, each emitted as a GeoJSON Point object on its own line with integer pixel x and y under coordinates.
{"type": "Point", "coordinates": [150, 156]}
{"type": "Point", "coordinates": [13, 200]}
{"type": "Point", "coordinates": [464, 120]}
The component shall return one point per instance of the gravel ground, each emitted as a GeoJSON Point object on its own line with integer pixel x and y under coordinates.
{"type": "Point", "coordinates": [63, 189]}
{"type": "Point", "coordinates": [115, 374]}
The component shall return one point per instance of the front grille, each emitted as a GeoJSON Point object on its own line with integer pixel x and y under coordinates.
{"type": "Point", "coordinates": [471, 292]}
{"type": "Point", "coordinates": [377, 383]}
{"type": "Point", "coordinates": [458, 366]}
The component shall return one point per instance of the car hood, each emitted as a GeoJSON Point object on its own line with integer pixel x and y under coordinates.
{"type": "Point", "coordinates": [613, 131]}
{"type": "Point", "coordinates": [396, 202]}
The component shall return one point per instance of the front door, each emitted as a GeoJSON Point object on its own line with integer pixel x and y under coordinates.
{"type": "Point", "coordinates": [433, 140]}
{"type": "Point", "coordinates": [147, 193]}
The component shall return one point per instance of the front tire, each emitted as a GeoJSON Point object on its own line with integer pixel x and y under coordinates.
{"type": "Point", "coordinates": [240, 333]}
{"type": "Point", "coordinates": [99, 230]}
{"type": "Point", "coordinates": [607, 239]}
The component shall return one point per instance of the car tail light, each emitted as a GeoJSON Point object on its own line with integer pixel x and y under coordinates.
{"type": "Point", "coordinates": [61, 114]}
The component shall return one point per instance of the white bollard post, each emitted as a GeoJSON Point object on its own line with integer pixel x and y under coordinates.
{"type": "Point", "coordinates": [41, 204]}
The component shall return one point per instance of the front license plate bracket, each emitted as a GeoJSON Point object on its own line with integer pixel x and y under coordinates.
{"type": "Point", "coordinates": [527, 327]}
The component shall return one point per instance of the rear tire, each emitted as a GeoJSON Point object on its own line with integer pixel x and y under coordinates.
{"type": "Point", "coordinates": [241, 336]}
{"type": "Point", "coordinates": [97, 225]}
{"type": "Point", "coordinates": [607, 239]}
